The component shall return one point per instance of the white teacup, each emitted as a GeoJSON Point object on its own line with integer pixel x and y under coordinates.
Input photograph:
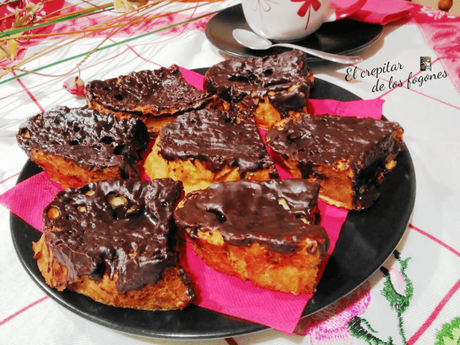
{"type": "Point", "coordinates": [291, 20]}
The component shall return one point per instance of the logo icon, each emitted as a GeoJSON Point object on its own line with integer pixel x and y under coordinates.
{"type": "Point", "coordinates": [425, 63]}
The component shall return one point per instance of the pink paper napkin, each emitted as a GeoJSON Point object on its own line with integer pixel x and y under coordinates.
{"type": "Point", "coordinates": [377, 11]}
{"type": "Point", "coordinates": [28, 198]}
{"type": "Point", "coordinates": [216, 291]}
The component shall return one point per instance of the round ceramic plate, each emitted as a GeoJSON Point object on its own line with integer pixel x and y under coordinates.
{"type": "Point", "coordinates": [367, 239]}
{"type": "Point", "coordinates": [344, 36]}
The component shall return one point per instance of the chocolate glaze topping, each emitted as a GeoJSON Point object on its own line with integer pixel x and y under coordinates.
{"type": "Point", "coordinates": [91, 139]}
{"type": "Point", "coordinates": [122, 227]}
{"type": "Point", "coordinates": [234, 79]}
{"type": "Point", "coordinates": [222, 138]}
{"type": "Point", "coordinates": [245, 212]}
{"type": "Point", "coordinates": [160, 89]}
{"type": "Point", "coordinates": [325, 139]}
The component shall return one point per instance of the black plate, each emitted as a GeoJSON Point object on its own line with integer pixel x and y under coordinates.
{"type": "Point", "coordinates": [341, 37]}
{"type": "Point", "coordinates": [367, 239]}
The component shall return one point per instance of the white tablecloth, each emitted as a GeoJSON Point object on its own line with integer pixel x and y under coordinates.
{"type": "Point", "coordinates": [429, 113]}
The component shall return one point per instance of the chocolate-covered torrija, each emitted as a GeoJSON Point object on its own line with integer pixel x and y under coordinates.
{"type": "Point", "coordinates": [347, 155]}
{"type": "Point", "coordinates": [149, 92]}
{"type": "Point", "coordinates": [267, 212]}
{"type": "Point", "coordinates": [264, 232]}
{"type": "Point", "coordinates": [91, 140]}
{"type": "Point", "coordinates": [285, 79]}
{"type": "Point", "coordinates": [218, 138]}
{"type": "Point", "coordinates": [119, 227]}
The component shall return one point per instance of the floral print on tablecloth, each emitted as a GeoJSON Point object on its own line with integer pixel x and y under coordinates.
{"type": "Point", "coordinates": [341, 322]}
{"type": "Point", "coordinates": [330, 325]}
{"type": "Point", "coordinates": [449, 334]}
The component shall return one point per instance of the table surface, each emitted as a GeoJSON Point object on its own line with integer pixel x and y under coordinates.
{"type": "Point", "coordinates": [430, 114]}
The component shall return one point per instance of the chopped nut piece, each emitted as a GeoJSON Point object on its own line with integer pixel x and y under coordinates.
{"type": "Point", "coordinates": [53, 213]}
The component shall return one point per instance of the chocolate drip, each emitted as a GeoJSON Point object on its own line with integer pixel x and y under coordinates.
{"type": "Point", "coordinates": [123, 227]}
{"type": "Point", "coordinates": [92, 140]}
{"type": "Point", "coordinates": [235, 79]}
{"type": "Point", "coordinates": [245, 212]}
{"type": "Point", "coordinates": [219, 138]}
{"type": "Point", "coordinates": [362, 144]}
{"type": "Point", "coordinates": [160, 89]}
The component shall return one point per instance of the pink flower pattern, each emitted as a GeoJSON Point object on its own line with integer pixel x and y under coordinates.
{"type": "Point", "coordinates": [7, 12]}
{"type": "Point", "coordinates": [81, 23]}
{"type": "Point", "coordinates": [329, 326]}
{"type": "Point", "coordinates": [398, 281]}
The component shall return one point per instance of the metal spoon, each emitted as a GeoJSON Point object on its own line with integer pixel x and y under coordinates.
{"type": "Point", "coordinates": [251, 40]}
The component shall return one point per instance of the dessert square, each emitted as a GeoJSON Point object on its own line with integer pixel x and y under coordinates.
{"type": "Point", "coordinates": [273, 87]}
{"type": "Point", "coordinates": [207, 146]}
{"type": "Point", "coordinates": [348, 156]}
{"type": "Point", "coordinates": [265, 232]}
{"type": "Point", "coordinates": [115, 242]}
{"type": "Point", "coordinates": [154, 96]}
{"type": "Point", "coordinates": [76, 146]}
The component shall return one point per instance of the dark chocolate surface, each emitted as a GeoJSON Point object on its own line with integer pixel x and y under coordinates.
{"type": "Point", "coordinates": [361, 143]}
{"type": "Point", "coordinates": [245, 212]}
{"type": "Point", "coordinates": [221, 138]}
{"type": "Point", "coordinates": [90, 139]}
{"type": "Point", "coordinates": [135, 239]}
{"type": "Point", "coordinates": [234, 79]}
{"type": "Point", "coordinates": [159, 89]}
{"type": "Point", "coordinates": [326, 139]}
